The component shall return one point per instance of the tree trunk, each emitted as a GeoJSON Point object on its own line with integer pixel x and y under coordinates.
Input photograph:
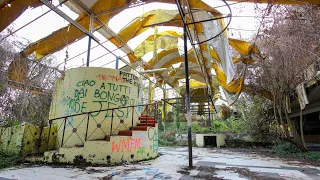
{"type": "Point", "coordinates": [295, 137]}
{"type": "Point", "coordinates": [275, 115]}
{"type": "Point", "coordinates": [284, 130]}
{"type": "Point", "coordinates": [301, 133]}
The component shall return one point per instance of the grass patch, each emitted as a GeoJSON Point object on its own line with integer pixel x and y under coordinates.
{"type": "Point", "coordinates": [290, 150]}
{"type": "Point", "coordinates": [9, 160]}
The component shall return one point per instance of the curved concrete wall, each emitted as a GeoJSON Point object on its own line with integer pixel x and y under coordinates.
{"type": "Point", "coordinates": [90, 89]}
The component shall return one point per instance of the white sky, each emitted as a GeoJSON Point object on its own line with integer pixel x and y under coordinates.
{"type": "Point", "coordinates": [52, 22]}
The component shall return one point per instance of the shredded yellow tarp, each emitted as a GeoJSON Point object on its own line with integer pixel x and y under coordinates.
{"type": "Point", "coordinates": [169, 40]}
{"type": "Point", "coordinates": [213, 53]}
{"type": "Point", "coordinates": [9, 13]}
{"type": "Point", "coordinates": [243, 47]}
{"type": "Point", "coordinates": [246, 51]}
{"type": "Point", "coordinates": [174, 79]}
{"type": "Point", "coordinates": [198, 94]}
{"type": "Point", "coordinates": [177, 74]}
{"type": "Point", "coordinates": [166, 58]}
{"type": "Point", "coordinates": [163, 40]}
{"type": "Point", "coordinates": [69, 34]}
{"type": "Point", "coordinates": [139, 24]}
{"type": "Point", "coordinates": [195, 84]}
{"type": "Point", "coordinates": [235, 86]}
{"type": "Point", "coordinates": [242, 59]}
{"type": "Point", "coordinates": [282, 1]}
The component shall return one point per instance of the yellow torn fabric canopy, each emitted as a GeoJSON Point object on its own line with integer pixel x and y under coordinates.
{"type": "Point", "coordinates": [282, 1]}
{"type": "Point", "coordinates": [11, 10]}
{"type": "Point", "coordinates": [163, 40]}
{"type": "Point", "coordinates": [248, 52]}
{"type": "Point", "coordinates": [195, 84]}
{"type": "Point", "coordinates": [143, 22]}
{"type": "Point", "coordinates": [168, 40]}
{"type": "Point", "coordinates": [235, 86]}
{"type": "Point", "coordinates": [69, 34]}
{"type": "Point", "coordinates": [243, 47]}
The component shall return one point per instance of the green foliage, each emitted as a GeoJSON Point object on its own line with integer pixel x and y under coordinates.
{"type": "Point", "coordinates": [288, 149]}
{"type": "Point", "coordinates": [166, 141]}
{"type": "Point", "coordinates": [196, 128]}
{"type": "Point", "coordinates": [315, 156]}
{"type": "Point", "coordinates": [176, 115]}
{"type": "Point", "coordinates": [285, 148]}
{"type": "Point", "coordinates": [160, 125]}
{"type": "Point", "coordinates": [235, 125]}
{"type": "Point", "coordinates": [217, 126]}
{"type": "Point", "coordinates": [7, 122]}
{"type": "Point", "coordinates": [9, 159]}
{"type": "Point", "coordinates": [254, 118]}
{"type": "Point", "coordinates": [220, 126]}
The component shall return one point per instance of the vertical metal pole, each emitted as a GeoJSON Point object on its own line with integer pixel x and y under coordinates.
{"type": "Point", "coordinates": [186, 65]}
{"type": "Point", "coordinates": [89, 42]}
{"type": "Point", "coordinates": [154, 111]}
{"type": "Point", "coordinates": [64, 129]}
{"type": "Point", "coordinates": [147, 116]}
{"type": "Point", "coordinates": [164, 102]}
{"type": "Point", "coordinates": [117, 62]}
{"type": "Point", "coordinates": [50, 122]}
{"type": "Point", "coordinates": [87, 127]}
{"type": "Point", "coordinates": [132, 117]}
{"type": "Point", "coordinates": [209, 114]}
{"type": "Point", "coordinates": [111, 122]}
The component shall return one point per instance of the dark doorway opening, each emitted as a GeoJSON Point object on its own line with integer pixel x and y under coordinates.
{"type": "Point", "coordinates": [210, 141]}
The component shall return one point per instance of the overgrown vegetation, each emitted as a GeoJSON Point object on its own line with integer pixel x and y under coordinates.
{"type": "Point", "coordinates": [26, 85]}
{"type": "Point", "coordinates": [289, 37]}
{"type": "Point", "coordinates": [231, 125]}
{"type": "Point", "coordinates": [254, 117]}
{"type": "Point", "coordinates": [9, 159]}
{"type": "Point", "coordinates": [287, 149]}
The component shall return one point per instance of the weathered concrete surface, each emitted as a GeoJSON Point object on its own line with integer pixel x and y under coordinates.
{"type": "Point", "coordinates": [209, 164]}
{"type": "Point", "coordinates": [24, 139]}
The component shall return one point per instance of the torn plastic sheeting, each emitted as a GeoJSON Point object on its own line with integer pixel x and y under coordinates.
{"type": "Point", "coordinates": [11, 10]}
{"type": "Point", "coordinates": [164, 40]}
{"type": "Point", "coordinates": [220, 45]}
{"type": "Point", "coordinates": [136, 27]}
{"type": "Point", "coordinates": [235, 86]}
{"type": "Point", "coordinates": [302, 96]}
{"type": "Point", "coordinates": [303, 2]}
{"type": "Point", "coordinates": [166, 58]}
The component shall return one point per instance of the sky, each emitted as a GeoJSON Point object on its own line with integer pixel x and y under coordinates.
{"type": "Point", "coordinates": [243, 19]}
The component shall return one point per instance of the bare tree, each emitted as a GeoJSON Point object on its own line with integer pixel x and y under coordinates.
{"type": "Point", "coordinates": [290, 39]}
{"type": "Point", "coordinates": [26, 85]}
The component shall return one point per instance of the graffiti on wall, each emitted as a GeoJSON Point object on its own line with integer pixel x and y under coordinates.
{"type": "Point", "coordinates": [141, 150]}
{"type": "Point", "coordinates": [104, 92]}
{"type": "Point", "coordinates": [126, 145]}
{"type": "Point", "coordinates": [153, 136]}
{"type": "Point", "coordinates": [123, 77]}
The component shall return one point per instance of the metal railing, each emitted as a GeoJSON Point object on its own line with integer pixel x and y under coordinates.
{"type": "Point", "coordinates": [65, 122]}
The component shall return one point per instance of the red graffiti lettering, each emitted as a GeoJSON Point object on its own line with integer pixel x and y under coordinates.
{"type": "Point", "coordinates": [126, 145]}
{"type": "Point", "coordinates": [104, 77]}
